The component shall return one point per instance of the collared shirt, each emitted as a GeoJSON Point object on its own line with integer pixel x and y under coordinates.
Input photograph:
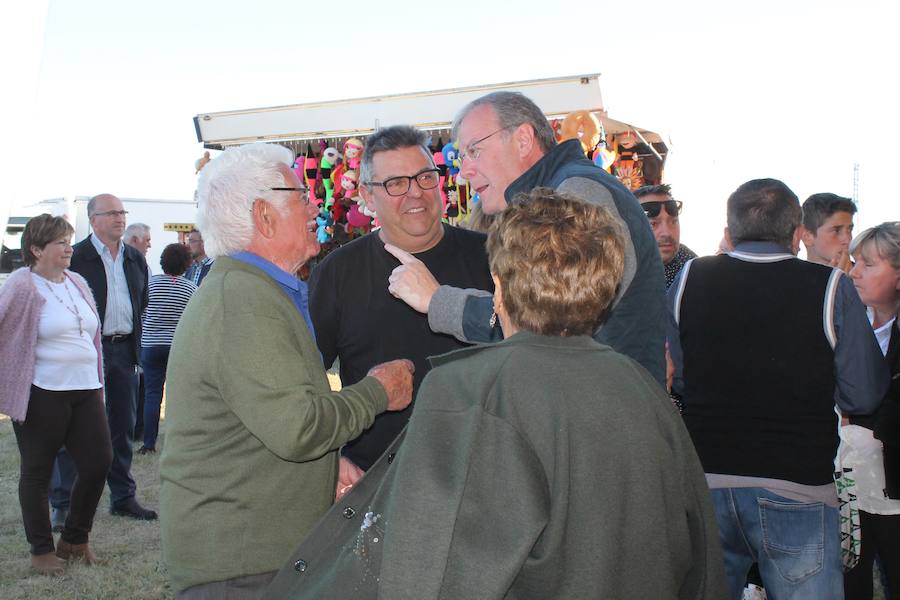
{"type": "Point", "coordinates": [296, 289]}
{"type": "Point", "coordinates": [196, 269]}
{"type": "Point", "coordinates": [119, 318]}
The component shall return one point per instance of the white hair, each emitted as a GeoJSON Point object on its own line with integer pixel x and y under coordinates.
{"type": "Point", "coordinates": [227, 188]}
{"type": "Point", "coordinates": [136, 230]}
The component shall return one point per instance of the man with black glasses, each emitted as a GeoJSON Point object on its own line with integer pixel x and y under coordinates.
{"type": "Point", "coordinates": [663, 212]}
{"type": "Point", "coordinates": [356, 319]}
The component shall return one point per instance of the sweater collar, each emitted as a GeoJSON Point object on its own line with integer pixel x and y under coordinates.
{"type": "Point", "coordinates": [541, 172]}
{"type": "Point", "coordinates": [520, 339]}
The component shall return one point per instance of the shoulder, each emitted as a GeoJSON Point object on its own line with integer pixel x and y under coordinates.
{"type": "Point", "coordinates": [465, 238]}
{"type": "Point", "coordinates": [19, 283]}
{"type": "Point", "coordinates": [84, 249]}
{"type": "Point", "coordinates": [135, 255]}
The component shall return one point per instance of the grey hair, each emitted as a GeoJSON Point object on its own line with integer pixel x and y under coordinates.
{"type": "Point", "coordinates": [763, 210]}
{"type": "Point", "coordinates": [387, 139]}
{"type": "Point", "coordinates": [512, 109]}
{"type": "Point", "coordinates": [136, 230]}
{"type": "Point", "coordinates": [227, 188]}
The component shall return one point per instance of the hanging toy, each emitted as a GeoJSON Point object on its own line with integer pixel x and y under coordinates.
{"type": "Point", "coordinates": [353, 150]}
{"type": "Point", "coordinates": [451, 159]}
{"type": "Point", "coordinates": [324, 222]}
{"type": "Point", "coordinates": [603, 157]}
{"type": "Point", "coordinates": [583, 126]}
{"type": "Point", "coordinates": [326, 164]}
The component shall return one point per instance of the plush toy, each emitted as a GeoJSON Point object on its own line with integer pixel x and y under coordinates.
{"type": "Point", "coordinates": [583, 126]}
{"type": "Point", "coordinates": [353, 149]}
{"type": "Point", "coordinates": [348, 183]}
{"type": "Point", "coordinates": [603, 157]}
{"type": "Point", "coordinates": [324, 221]}
{"type": "Point", "coordinates": [438, 158]}
{"type": "Point", "coordinates": [451, 158]}
{"type": "Point", "coordinates": [310, 175]}
{"type": "Point", "coordinates": [201, 162]}
{"type": "Point", "coordinates": [326, 164]}
{"type": "Point", "coordinates": [452, 206]}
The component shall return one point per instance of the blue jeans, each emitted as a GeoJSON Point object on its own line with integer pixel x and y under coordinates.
{"type": "Point", "coordinates": [796, 544]}
{"type": "Point", "coordinates": [154, 360]}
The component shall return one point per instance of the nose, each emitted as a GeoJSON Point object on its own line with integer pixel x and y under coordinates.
{"type": "Point", "coordinates": [467, 168]}
{"type": "Point", "coordinates": [415, 190]}
{"type": "Point", "coordinates": [854, 271]}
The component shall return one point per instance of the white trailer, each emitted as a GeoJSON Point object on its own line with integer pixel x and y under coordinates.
{"type": "Point", "coordinates": [334, 121]}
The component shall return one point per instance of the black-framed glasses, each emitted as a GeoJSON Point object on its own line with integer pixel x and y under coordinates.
{"type": "Point", "coordinates": [111, 213]}
{"type": "Point", "coordinates": [652, 209]}
{"type": "Point", "coordinates": [471, 152]}
{"type": "Point", "coordinates": [304, 192]}
{"type": "Point", "coordinates": [426, 179]}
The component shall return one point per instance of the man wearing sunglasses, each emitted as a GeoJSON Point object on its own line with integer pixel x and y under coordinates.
{"type": "Point", "coordinates": [356, 319]}
{"type": "Point", "coordinates": [663, 212]}
{"type": "Point", "coordinates": [508, 148]}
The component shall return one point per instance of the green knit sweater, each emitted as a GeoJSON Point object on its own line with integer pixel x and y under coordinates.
{"type": "Point", "coordinates": [250, 461]}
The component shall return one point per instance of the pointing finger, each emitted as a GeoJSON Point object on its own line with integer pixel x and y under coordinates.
{"type": "Point", "coordinates": [402, 255]}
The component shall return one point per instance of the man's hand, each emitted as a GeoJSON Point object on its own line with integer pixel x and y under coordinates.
{"type": "Point", "coordinates": [411, 282]}
{"type": "Point", "coordinates": [841, 260]}
{"type": "Point", "coordinates": [396, 377]}
{"type": "Point", "coordinates": [348, 475]}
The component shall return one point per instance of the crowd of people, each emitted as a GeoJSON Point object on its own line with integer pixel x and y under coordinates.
{"type": "Point", "coordinates": [560, 401]}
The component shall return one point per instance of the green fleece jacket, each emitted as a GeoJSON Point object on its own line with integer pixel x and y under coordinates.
{"type": "Point", "coordinates": [250, 461]}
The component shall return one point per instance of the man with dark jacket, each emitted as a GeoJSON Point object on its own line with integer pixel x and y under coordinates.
{"type": "Point", "coordinates": [118, 276]}
{"type": "Point", "coordinates": [767, 348]}
{"type": "Point", "coordinates": [507, 148]}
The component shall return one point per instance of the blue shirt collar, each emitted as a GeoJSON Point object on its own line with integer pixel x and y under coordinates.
{"type": "Point", "coordinates": [760, 247]}
{"type": "Point", "coordinates": [269, 268]}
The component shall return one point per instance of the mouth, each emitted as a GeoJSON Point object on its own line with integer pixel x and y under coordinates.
{"type": "Point", "coordinates": [415, 210]}
{"type": "Point", "coordinates": [480, 190]}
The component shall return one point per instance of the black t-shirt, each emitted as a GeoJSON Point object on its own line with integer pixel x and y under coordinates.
{"type": "Point", "coordinates": [360, 323]}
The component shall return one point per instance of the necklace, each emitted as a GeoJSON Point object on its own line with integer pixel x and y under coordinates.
{"type": "Point", "coordinates": [72, 309]}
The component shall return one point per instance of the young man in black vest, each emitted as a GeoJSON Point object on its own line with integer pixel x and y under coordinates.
{"type": "Point", "coordinates": [765, 345]}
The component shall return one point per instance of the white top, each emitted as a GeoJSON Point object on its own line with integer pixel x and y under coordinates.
{"type": "Point", "coordinates": [861, 451]}
{"type": "Point", "coordinates": [119, 319]}
{"type": "Point", "coordinates": [66, 358]}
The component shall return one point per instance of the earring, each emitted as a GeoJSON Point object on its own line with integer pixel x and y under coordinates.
{"type": "Point", "coordinates": [493, 321]}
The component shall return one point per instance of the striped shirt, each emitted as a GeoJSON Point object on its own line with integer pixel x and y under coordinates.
{"type": "Point", "coordinates": [169, 296]}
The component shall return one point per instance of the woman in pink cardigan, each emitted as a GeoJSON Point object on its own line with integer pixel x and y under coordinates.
{"type": "Point", "coordinates": [52, 388]}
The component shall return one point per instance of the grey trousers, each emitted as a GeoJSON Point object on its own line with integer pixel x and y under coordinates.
{"type": "Point", "coordinates": [250, 587]}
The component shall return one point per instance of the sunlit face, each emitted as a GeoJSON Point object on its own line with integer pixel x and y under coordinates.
{"type": "Point", "coordinates": [666, 229]}
{"type": "Point", "coordinates": [496, 166]}
{"type": "Point", "coordinates": [141, 243]}
{"type": "Point", "coordinates": [297, 224]}
{"type": "Point", "coordinates": [108, 219]}
{"type": "Point", "coordinates": [54, 257]}
{"type": "Point", "coordinates": [195, 243]}
{"type": "Point", "coordinates": [411, 221]}
{"type": "Point", "coordinates": [832, 237]}
{"type": "Point", "coordinates": [876, 280]}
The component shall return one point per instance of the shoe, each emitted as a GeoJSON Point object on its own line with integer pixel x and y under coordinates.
{"type": "Point", "coordinates": [82, 552]}
{"type": "Point", "coordinates": [131, 508]}
{"type": "Point", "coordinates": [146, 450]}
{"type": "Point", "coordinates": [58, 519]}
{"type": "Point", "coordinates": [48, 564]}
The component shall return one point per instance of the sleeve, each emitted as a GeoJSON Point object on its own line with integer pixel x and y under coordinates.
{"type": "Point", "coordinates": [270, 385]}
{"type": "Point", "coordinates": [463, 313]}
{"type": "Point", "coordinates": [325, 311]}
{"type": "Point", "coordinates": [861, 373]}
{"type": "Point", "coordinates": [673, 331]}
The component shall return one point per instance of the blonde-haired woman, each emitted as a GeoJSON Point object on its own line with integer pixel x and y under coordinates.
{"type": "Point", "coordinates": [872, 443]}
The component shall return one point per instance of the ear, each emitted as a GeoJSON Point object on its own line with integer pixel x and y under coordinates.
{"type": "Point", "coordinates": [263, 219]}
{"type": "Point", "coordinates": [525, 140]}
{"type": "Point", "coordinates": [498, 293]}
{"type": "Point", "coordinates": [727, 235]}
{"type": "Point", "coordinates": [795, 242]}
{"type": "Point", "coordinates": [808, 237]}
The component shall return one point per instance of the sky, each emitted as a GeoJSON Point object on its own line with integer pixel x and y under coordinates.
{"type": "Point", "coordinates": [100, 94]}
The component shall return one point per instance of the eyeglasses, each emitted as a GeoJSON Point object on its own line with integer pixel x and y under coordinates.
{"type": "Point", "coordinates": [304, 192]}
{"type": "Point", "coordinates": [111, 213]}
{"type": "Point", "coordinates": [673, 207]}
{"type": "Point", "coordinates": [426, 179]}
{"type": "Point", "coordinates": [472, 152]}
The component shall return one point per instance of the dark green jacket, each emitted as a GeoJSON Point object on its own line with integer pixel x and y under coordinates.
{"type": "Point", "coordinates": [249, 463]}
{"type": "Point", "coordinates": [539, 467]}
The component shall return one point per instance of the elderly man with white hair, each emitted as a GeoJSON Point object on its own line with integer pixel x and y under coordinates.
{"type": "Point", "coordinates": [250, 457]}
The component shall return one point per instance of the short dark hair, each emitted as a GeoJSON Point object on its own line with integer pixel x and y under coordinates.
{"type": "Point", "coordinates": [818, 207]}
{"type": "Point", "coordinates": [559, 260]}
{"type": "Point", "coordinates": [663, 189]}
{"type": "Point", "coordinates": [175, 259]}
{"type": "Point", "coordinates": [40, 231]}
{"type": "Point", "coordinates": [390, 138]}
{"type": "Point", "coordinates": [764, 210]}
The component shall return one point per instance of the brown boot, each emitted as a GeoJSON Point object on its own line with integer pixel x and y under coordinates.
{"type": "Point", "coordinates": [48, 564]}
{"type": "Point", "coordinates": [67, 551]}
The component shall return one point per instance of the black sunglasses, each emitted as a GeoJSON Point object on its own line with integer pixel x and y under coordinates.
{"type": "Point", "coordinates": [673, 207]}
